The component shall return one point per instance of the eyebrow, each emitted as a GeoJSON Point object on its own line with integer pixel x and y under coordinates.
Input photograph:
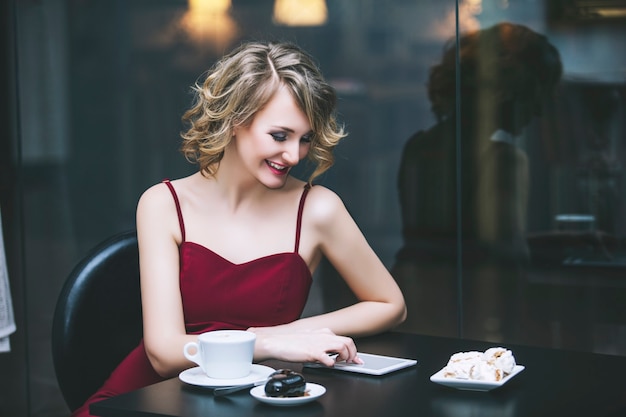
{"type": "Point", "coordinates": [284, 128]}
{"type": "Point", "coordinates": [290, 130]}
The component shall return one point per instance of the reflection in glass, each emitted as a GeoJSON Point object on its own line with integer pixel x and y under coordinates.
{"type": "Point", "coordinates": [463, 183]}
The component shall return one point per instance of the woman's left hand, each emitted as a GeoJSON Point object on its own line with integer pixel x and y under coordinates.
{"type": "Point", "coordinates": [304, 346]}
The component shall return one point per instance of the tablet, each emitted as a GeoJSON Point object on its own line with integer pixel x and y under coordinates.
{"type": "Point", "coordinates": [374, 364]}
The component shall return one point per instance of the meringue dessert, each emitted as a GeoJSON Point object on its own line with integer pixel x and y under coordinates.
{"type": "Point", "coordinates": [494, 364]}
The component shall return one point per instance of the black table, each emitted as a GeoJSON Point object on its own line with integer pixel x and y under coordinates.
{"type": "Point", "coordinates": [554, 383]}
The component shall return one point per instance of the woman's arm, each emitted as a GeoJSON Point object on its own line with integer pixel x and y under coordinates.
{"type": "Point", "coordinates": [381, 304]}
{"type": "Point", "coordinates": [158, 233]}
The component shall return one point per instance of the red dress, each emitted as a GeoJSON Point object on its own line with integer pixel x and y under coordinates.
{"type": "Point", "coordinates": [218, 294]}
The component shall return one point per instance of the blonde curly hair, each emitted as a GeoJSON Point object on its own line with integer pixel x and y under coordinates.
{"type": "Point", "coordinates": [240, 84]}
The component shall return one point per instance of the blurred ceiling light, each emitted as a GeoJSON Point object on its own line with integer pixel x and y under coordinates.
{"type": "Point", "coordinates": [615, 12]}
{"type": "Point", "coordinates": [209, 21]}
{"type": "Point", "coordinates": [300, 12]}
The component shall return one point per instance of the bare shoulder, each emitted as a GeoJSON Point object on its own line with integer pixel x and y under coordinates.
{"type": "Point", "coordinates": [156, 216]}
{"type": "Point", "coordinates": [158, 195]}
{"type": "Point", "coordinates": [323, 205]}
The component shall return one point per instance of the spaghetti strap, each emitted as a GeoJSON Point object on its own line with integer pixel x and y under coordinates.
{"type": "Point", "coordinates": [307, 187]}
{"type": "Point", "coordinates": [178, 210]}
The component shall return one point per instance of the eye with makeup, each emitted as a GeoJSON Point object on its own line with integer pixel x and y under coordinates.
{"type": "Point", "coordinates": [279, 136]}
{"type": "Point", "coordinates": [282, 136]}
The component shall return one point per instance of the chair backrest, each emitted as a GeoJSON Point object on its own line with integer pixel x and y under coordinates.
{"type": "Point", "coordinates": [97, 320]}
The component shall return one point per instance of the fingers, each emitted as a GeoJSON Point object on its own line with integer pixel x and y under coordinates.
{"type": "Point", "coordinates": [342, 347]}
{"type": "Point", "coordinates": [345, 350]}
{"type": "Point", "coordinates": [326, 359]}
{"type": "Point", "coordinates": [338, 349]}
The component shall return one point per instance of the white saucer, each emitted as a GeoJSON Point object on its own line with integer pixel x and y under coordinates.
{"type": "Point", "coordinates": [313, 392]}
{"type": "Point", "coordinates": [196, 376]}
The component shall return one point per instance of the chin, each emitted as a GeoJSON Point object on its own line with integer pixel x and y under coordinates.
{"type": "Point", "coordinates": [275, 184]}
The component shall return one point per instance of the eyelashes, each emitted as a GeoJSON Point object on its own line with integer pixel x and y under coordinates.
{"type": "Point", "coordinates": [279, 136]}
{"type": "Point", "coordinates": [282, 136]}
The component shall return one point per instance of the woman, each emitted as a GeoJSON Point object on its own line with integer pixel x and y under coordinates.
{"type": "Point", "coordinates": [234, 245]}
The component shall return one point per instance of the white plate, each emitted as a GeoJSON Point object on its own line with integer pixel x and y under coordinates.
{"type": "Point", "coordinates": [313, 391]}
{"type": "Point", "coordinates": [472, 384]}
{"type": "Point", "coordinates": [196, 376]}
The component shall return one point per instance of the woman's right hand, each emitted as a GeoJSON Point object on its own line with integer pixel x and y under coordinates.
{"type": "Point", "coordinates": [304, 346]}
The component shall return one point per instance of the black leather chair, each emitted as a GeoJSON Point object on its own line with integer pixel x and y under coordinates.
{"type": "Point", "coordinates": [97, 320]}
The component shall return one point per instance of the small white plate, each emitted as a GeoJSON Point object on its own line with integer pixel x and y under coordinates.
{"type": "Point", "coordinates": [196, 376]}
{"type": "Point", "coordinates": [472, 384]}
{"type": "Point", "coordinates": [313, 392]}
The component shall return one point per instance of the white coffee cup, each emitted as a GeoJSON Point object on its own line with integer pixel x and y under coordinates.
{"type": "Point", "coordinates": [223, 354]}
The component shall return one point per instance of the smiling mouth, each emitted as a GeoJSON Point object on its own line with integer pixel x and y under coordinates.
{"type": "Point", "coordinates": [277, 167]}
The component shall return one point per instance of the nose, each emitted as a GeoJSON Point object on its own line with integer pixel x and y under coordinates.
{"type": "Point", "coordinates": [291, 152]}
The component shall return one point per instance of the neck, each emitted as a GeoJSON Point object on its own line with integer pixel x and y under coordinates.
{"type": "Point", "coordinates": [236, 193]}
